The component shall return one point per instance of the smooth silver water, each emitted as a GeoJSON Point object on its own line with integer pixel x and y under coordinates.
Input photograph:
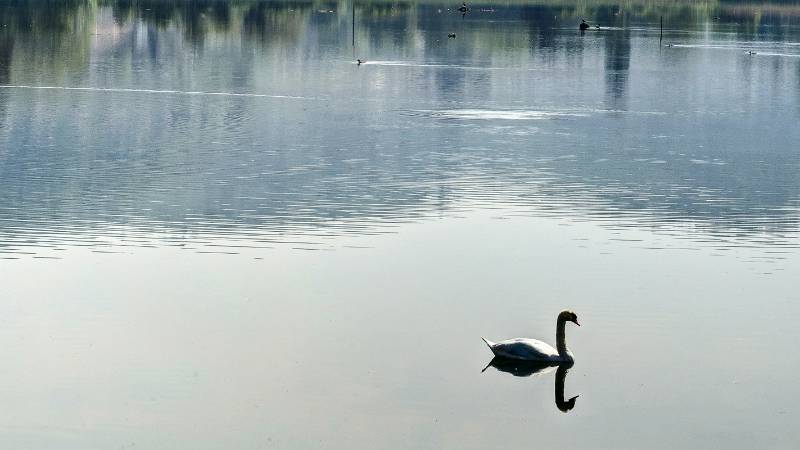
{"type": "Point", "coordinates": [219, 231]}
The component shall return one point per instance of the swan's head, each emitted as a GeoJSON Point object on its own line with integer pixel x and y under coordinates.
{"type": "Point", "coordinates": [568, 316]}
{"type": "Point", "coordinates": [566, 406]}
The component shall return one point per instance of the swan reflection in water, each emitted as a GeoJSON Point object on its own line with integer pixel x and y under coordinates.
{"type": "Point", "coordinates": [521, 368]}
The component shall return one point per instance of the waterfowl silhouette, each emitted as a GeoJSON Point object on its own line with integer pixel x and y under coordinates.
{"type": "Point", "coordinates": [521, 368]}
{"type": "Point", "coordinates": [361, 61]}
{"type": "Point", "coordinates": [451, 35]}
{"type": "Point", "coordinates": [561, 376]}
{"type": "Point", "coordinates": [534, 350]}
{"type": "Point", "coordinates": [583, 26]}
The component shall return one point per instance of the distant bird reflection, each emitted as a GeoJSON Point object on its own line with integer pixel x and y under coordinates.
{"type": "Point", "coordinates": [520, 368]}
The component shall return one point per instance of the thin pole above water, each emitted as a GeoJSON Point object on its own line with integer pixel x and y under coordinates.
{"type": "Point", "coordinates": [354, 24]}
{"type": "Point", "coordinates": [660, 36]}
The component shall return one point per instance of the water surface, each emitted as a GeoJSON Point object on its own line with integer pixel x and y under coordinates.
{"type": "Point", "coordinates": [217, 230]}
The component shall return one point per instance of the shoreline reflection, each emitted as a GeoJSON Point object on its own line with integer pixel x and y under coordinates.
{"type": "Point", "coordinates": [519, 111]}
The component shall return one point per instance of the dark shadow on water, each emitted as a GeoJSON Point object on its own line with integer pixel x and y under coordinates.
{"type": "Point", "coordinates": [617, 67]}
{"type": "Point", "coordinates": [519, 368]}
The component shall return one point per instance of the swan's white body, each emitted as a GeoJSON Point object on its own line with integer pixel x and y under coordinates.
{"type": "Point", "coordinates": [533, 350]}
{"type": "Point", "coordinates": [528, 350]}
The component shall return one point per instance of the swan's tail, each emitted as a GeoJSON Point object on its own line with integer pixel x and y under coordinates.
{"type": "Point", "coordinates": [490, 344]}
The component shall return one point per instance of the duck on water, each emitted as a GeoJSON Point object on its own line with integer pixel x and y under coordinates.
{"type": "Point", "coordinates": [534, 350]}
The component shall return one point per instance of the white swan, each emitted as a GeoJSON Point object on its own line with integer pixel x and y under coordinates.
{"type": "Point", "coordinates": [533, 350]}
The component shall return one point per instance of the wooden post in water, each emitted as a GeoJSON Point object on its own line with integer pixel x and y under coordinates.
{"type": "Point", "coordinates": [661, 36]}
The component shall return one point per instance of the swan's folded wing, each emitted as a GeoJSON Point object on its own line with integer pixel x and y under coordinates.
{"type": "Point", "coordinates": [525, 349]}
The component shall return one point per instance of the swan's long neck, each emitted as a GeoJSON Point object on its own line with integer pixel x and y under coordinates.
{"type": "Point", "coordinates": [561, 375]}
{"type": "Point", "coordinates": [561, 338]}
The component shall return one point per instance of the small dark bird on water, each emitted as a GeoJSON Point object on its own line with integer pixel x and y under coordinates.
{"type": "Point", "coordinates": [451, 35]}
{"type": "Point", "coordinates": [583, 26]}
{"type": "Point", "coordinates": [361, 61]}
{"type": "Point", "coordinates": [751, 53]}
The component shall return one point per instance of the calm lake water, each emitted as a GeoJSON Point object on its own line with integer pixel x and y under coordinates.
{"type": "Point", "coordinates": [219, 231]}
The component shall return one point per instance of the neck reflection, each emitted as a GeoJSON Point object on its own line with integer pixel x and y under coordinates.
{"type": "Point", "coordinates": [520, 368]}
